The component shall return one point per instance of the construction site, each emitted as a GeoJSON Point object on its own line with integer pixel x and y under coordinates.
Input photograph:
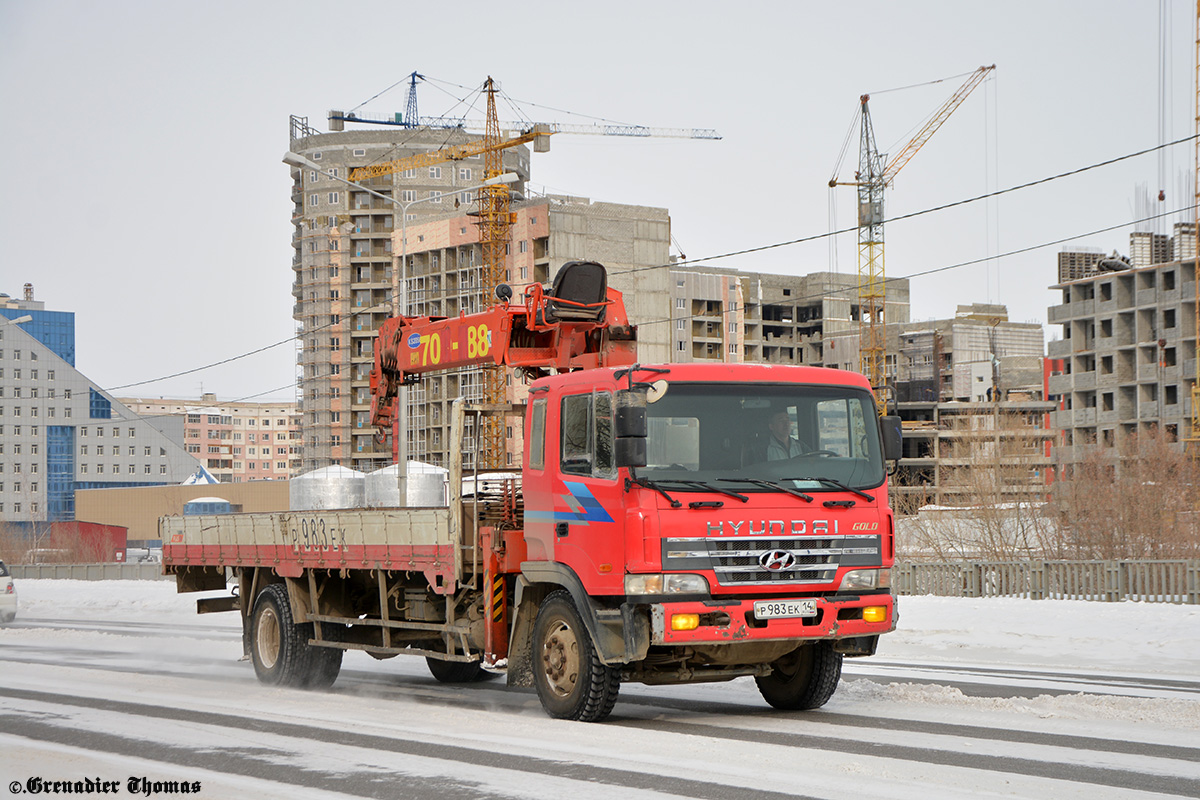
{"type": "Point", "coordinates": [426, 217]}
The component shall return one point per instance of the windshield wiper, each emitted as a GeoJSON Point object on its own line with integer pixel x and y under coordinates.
{"type": "Point", "coordinates": [649, 484]}
{"type": "Point", "coordinates": [710, 488]}
{"type": "Point", "coordinates": [770, 485]}
{"type": "Point", "coordinates": [837, 485]}
{"type": "Point", "coordinates": [684, 485]}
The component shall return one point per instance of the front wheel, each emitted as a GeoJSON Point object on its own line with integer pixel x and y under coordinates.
{"type": "Point", "coordinates": [804, 679]}
{"type": "Point", "coordinates": [571, 681]}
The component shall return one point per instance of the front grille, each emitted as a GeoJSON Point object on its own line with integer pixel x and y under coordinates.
{"type": "Point", "coordinates": [737, 561]}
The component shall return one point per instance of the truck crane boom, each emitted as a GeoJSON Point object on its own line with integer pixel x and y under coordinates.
{"type": "Point", "coordinates": [579, 324]}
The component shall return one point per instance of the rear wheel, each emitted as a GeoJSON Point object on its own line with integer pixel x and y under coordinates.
{"type": "Point", "coordinates": [279, 647]}
{"type": "Point", "coordinates": [324, 667]}
{"type": "Point", "coordinates": [804, 679]}
{"type": "Point", "coordinates": [457, 671]}
{"type": "Point", "coordinates": [571, 681]}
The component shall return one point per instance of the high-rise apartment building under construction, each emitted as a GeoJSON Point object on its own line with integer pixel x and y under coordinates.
{"type": "Point", "coordinates": [345, 282]}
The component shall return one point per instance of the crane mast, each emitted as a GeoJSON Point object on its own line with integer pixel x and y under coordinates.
{"type": "Point", "coordinates": [874, 175]}
{"type": "Point", "coordinates": [872, 320]}
{"type": "Point", "coordinates": [495, 223]}
{"type": "Point", "coordinates": [1193, 442]}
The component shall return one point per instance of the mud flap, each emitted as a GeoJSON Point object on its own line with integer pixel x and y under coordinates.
{"type": "Point", "coordinates": [856, 645]}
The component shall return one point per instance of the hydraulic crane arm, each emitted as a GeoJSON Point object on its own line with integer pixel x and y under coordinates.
{"type": "Point", "coordinates": [563, 330]}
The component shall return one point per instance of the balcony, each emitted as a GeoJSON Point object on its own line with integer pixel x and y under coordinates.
{"type": "Point", "coordinates": [1059, 348]}
{"type": "Point", "coordinates": [1056, 315]}
{"type": "Point", "coordinates": [1060, 384]}
{"type": "Point", "coordinates": [1084, 381]}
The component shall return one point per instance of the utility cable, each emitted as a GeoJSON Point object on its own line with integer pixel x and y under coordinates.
{"type": "Point", "coordinates": [926, 83]}
{"type": "Point", "coordinates": [801, 240]}
{"type": "Point", "coordinates": [959, 265]}
{"type": "Point", "coordinates": [923, 212]}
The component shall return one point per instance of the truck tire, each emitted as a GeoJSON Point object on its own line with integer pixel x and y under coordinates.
{"type": "Point", "coordinates": [804, 679]}
{"type": "Point", "coordinates": [279, 647]}
{"type": "Point", "coordinates": [324, 666]}
{"type": "Point", "coordinates": [457, 671]}
{"type": "Point", "coordinates": [570, 679]}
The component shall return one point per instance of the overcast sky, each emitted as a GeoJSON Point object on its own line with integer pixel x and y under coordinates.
{"type": "Point", "coordinates": [145, 192]}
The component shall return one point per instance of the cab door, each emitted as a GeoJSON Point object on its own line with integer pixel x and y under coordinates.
{"type": "Point", "coordinates": [576, 523]}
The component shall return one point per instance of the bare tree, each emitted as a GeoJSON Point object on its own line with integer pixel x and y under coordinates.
{"type": "Point", "coordinates": [1135, 500]}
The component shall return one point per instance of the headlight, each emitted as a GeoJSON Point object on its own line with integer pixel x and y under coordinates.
{"type": "Point", "coordinates": [858, 579]}
{"type": "Point", "coordinates": [666, 584]}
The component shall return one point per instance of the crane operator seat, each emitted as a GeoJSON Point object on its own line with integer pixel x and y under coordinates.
{"type": "Point", "coordinates": [580, 292]}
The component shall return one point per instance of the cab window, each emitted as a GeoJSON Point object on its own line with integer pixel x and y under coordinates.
{"type": "Point", "coordinates": [537, 435]}
{"type": "Point", "coordinates": [587, 435]}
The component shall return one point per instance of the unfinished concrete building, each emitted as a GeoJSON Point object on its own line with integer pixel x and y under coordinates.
{"type": "Point", "coordinates": [444, 274]}
{"type": "Point", "coordinates": [1078, 262]}
{"type": "Point", "coordinates": [1128, 356]}
{"type": "Point", "coordinates": [974, 411]}
{"type": "Point", "coordinates": [344, 282]}
{"type": "Point", "coordinates": [729, 315]}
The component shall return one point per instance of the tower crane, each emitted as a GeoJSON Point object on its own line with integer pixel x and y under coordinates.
{"type": "Point", "coordinates": [874, 175]}
{"type": "Point", "coordinates": [1193, 441]}
{"type": "Point", "coordinates": [495, 219]}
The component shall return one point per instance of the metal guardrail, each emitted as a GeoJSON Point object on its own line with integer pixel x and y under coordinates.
{"type": "Point", "coordinates": [1147, 581]}
{"type": "Point", "coordinates": [147, 571]}
{"type": "Point", "coordinates": [1157, 581]}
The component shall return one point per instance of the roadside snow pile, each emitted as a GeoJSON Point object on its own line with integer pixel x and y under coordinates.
{"type": "Point", "coordinates": [1149, 638]}
{"type": "Point", "coordinates": [105, 600]}
{"type": "Point", "coordinates": [1171, 713]}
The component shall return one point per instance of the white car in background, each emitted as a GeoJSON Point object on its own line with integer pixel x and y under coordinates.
{"type": "Point", "coordinates": [8, 596]}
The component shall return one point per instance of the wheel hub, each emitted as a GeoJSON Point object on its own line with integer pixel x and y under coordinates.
{"type": "Point", "coordinates": [266, 637]}
{"type": "Point", "coordinates": [560, 659]}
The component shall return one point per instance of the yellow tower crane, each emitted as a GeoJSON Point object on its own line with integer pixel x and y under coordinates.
{"type": "Point", "coordinates": [1193, 440]}
{"type": "Point", "coordinates": [495, 218]}
{"type": "Point", "coordinates": [874, 175]}
{"type": "Point", "coordinates": [495, 226]}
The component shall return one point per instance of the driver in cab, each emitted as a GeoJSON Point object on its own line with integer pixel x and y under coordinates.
{"type": "Point", "coordinates": [781, 445]}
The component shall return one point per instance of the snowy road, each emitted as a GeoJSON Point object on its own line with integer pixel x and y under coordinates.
{"type": "Point", "coordinates": [971, 698]}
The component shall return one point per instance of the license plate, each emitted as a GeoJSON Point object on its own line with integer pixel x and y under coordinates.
{"type": "Point", "coordinates": [782, 609]}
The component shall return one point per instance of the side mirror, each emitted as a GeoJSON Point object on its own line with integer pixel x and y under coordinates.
{"type": "Point", "coordinates": [631, 452]}
{"type": "Point", "coordinates": [631, 413]}
{"type": "Point", "coordinates": [891, 432]}
{"type": "Point", "coordinates": [631, 427]}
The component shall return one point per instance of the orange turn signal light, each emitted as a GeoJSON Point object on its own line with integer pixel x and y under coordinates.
{"type": "Point", "coordinates": [875, 613]}
{"type": "Point", "coordinates": [685, 622]}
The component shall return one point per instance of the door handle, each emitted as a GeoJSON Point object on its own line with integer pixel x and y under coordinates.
{"type": "Point", "coordinates": [561, 529]}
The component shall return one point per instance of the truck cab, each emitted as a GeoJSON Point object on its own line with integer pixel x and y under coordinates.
{"type": "Point", "coordinates": [733, 514]}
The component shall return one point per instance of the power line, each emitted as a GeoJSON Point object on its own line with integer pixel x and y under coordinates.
{"type": "Point", "coordinates": [776, 245]}
{"type": "Point", "coordinates": [943, 207]}
{"type": "Point", "coordinates": [961, 264]}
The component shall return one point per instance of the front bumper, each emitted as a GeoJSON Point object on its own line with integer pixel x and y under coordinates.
{"type": "Point", "coordinates": [725, 621]}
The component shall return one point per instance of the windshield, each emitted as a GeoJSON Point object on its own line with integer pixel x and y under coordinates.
{"type": "Point", "coordinates": [722, 434]}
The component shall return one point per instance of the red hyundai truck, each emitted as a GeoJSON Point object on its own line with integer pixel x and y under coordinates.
{"type": "Point", "coordinates": [671, 523]}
